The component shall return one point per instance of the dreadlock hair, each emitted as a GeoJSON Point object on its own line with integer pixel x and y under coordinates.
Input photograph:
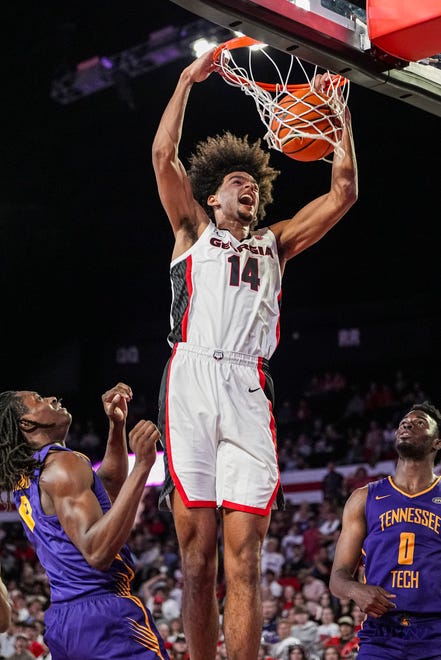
{"type": "Point", "coordinates": [217, 156]}
{"type": "Point", "coordinates": [435, 414]}
{"type": "Point", "coordinates": [16, 455]}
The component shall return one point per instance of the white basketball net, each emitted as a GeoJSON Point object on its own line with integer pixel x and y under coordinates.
{"type": "Point", "coordinates": [331, 103]}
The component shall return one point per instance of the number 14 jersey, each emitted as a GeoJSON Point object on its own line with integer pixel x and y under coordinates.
{"type": "Point", "coordinates": [226, 293]}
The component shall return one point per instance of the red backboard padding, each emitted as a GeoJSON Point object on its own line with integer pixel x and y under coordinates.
{"type": "Point", "coordinates": [407, 29]}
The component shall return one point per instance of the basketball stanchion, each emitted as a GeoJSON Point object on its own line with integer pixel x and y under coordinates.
{"type": "Point", "coordinates": [303, 120]}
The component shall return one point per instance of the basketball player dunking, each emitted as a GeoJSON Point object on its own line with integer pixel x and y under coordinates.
{"type": "Point", "coordinates": [216, 403]}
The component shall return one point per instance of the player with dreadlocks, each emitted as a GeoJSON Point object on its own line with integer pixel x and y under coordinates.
{"type": "Point", "coordinates": [79, 521]}
{"type": "Point", "coordinates": [216, 404]}
{"type": "Point", "coordinates": [17, 455]}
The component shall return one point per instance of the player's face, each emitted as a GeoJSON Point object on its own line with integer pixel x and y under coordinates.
{"type": "Point", "coordinates": [238, 196]}
{"type": "Point", "coordinates": [417, 435]}
{"type": "Point", "coordinates": [45, 411]}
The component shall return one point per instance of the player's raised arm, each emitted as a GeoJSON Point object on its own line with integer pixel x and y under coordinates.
{"type": "Point", "coordinates": [173, 184]}
{"type": "Point", "coordinates": [315, 219]}
{"type": "Point", "coordinates": [114, 467]}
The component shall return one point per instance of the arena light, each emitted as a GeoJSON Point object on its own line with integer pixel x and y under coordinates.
{"type": "Point", "coordinates": [202, 45]}
{"type": "Point", "coordinates": [161, 48]}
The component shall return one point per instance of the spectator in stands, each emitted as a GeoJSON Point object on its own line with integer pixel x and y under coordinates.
{"type": "Point", "coordinates": [289, 459]}
{"type": "Point", "coordinates": [270, 613]}
{"type": "Point", "coordinates": [179, 650]}
{"type": "Point", "coordinates": [330, 445]}
{"type": "Point", "coordinates": [5, 608]}
{"type": "Point", "coordinates": [332, 485]}
{"type": "Point", "coordinates": [346, 641]}
{"type": "Point", "coordinates": [270, 586]}
{"type": "Point", "coordinates": [344, 607]}
{"type": "Point", "coordinates": [292, 566]}
{"type": "Point", "coordinates": [294, 536]}
{"type": "Point", "coordinates": [304, 448]}
{"type": "Point", "coordinates": [357, 479]}
{"type": "Point", "coordinates": [299, 599]}
{"type": "Point", "coordinates": [157, 597]}
{"type": "Point", "coordinates": [171, 554]}
{"type": "Point", "coordinates": [176, 628]}
{"type": "Point", "coordinates": [330, 524]}
{"type": "Point", "coordinates": [297, 652]}
{"type": "Point", "coordinates": [151, 553]}
{"type": "Point", "coordinates": [164, 630]}
{"type": "Point", "coordinates": [35, 608]}
{"type": "Point", "coordinates": [21, 649]}
{"type": "Point", "coordinates": [20, 605]}
{"type": "Point", "coordinates": [284, 638]}
{"type": "Point", "coordinates": [355, 406]}
{"type": "Point", "coordinates": [312, 540]}
{"type": "Point", "coordinates": [263, 653]}
{"type": "Point", "coordinates": [326, 600]}
{"type": "Point", "coordinates": [321, 565]}
{"type": "Point", "coordinates": [331, 653]}
{"type": "Point", "coordinates": [328, 627]}
{"type": "Point", "coordinates": [303, 514]}
{"type": "Point", "coordinates": [358, 617]}
{"type": "Point", "coordinates": [272, 558]}
{"type": "Point", "coordinates": [388, 448]}
{"type": "Point", "coordinates": [36, 643]}
{"type": "Point", "coordinates": [279, 523]}
{"type": "Point", "coordinates": [306, 630]}
{"type": "Point", "coordinates": [373, 442]}
{"type": "Point", "coordinates": [312, 588]}
{"type": "Point", "coordinates": [286, 601]}
{"type": "Point", "coordinates": [331, 547]}
{"type": "Point", "coordinates": [354, 450]}
{"type": "Point", "coordinates": [302, 413]}
{"type": "Point", "coordinates": [285, 414]}
{"type": "Point", "coordinates": [373, 398]}
{"type": "Point", "coordinates": [7, 638]}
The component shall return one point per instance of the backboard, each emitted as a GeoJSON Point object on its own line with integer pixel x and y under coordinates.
{"type": "Point", "coordinates": [334, 35]}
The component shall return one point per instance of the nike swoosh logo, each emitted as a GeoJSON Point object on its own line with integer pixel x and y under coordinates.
{"type": "Point", "coordinates": [250, 390]}
{"type": "Point", "coordinates": [381, 497]}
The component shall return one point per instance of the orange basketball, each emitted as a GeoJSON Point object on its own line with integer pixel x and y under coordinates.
{"type": "Point", "coordinates": [297, 146]}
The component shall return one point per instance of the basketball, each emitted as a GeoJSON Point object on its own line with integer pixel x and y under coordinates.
{"type": "Point", "coordinates": [297, 113]}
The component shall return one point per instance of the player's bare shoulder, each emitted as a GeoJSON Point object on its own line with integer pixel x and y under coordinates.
{"type": "Point", "coordinates": [64, 466]}
{"type": "Point", "coordinates": [190, 230]}
{"type": "Point", "coordinates": [357, 499]}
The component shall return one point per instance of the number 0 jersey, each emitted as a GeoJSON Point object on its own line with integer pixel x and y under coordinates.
{"type": "Point", "coordinates": [226, 293]}
{"type": "Point", "coordinates": [402, 548]}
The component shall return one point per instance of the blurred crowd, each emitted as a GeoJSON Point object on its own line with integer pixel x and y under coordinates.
{"type": "Point", "coordinates": [331, 423]}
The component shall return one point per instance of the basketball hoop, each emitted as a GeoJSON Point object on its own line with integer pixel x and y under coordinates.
{"type": "Point", "coordinates": [295, 115]}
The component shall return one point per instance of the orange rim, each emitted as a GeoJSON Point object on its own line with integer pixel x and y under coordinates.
{"type": "Point", "coordinates": [245, 42]}
{"type": "Point", "coordinates": [232, 44]}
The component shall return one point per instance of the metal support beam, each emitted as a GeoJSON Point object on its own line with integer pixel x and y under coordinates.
{"type": "Point", "coordinates": [162, 47]}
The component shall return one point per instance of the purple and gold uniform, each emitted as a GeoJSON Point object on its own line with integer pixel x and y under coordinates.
{"type": "Point", "coordinates": [93, 614]}
{"type": "Point", "coordinates": [402, 554]}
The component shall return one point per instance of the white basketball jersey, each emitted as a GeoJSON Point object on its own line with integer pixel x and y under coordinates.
{"type": "Point", "coordinates": [226, 293]}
